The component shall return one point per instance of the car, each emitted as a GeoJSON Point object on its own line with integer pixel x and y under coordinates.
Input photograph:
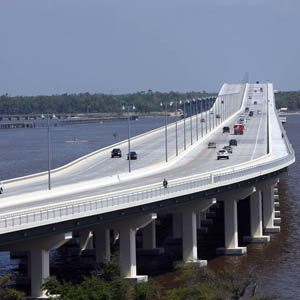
{"type": "Point", "coordinates": [1, 188]}
{"type": "Point", "coordinates": [133, 155]}
{"type": "Point", "coordinates": [211, 145]}
{"type": "Point", "coordinates": [228, 149]}
{"type": "Point", "coordinates": [261, 89]}
{"type": "Point", "coordinates": [233, 142]}
{"type": "Point", "coordinates": [255, 102]}
{"type": "Point", "coordinates": [226, 129]}
{"type": "Point", "coordinates": [202, 120]}
{"type": "Point", "coordinates": [251, 113]}
{"type": "Point", "coordinates": [211, 112]}
{"type": "Point", "coordinates": [258, 112]}
{"type": "Point", "coordinates": [116, 152]}
{"type": "Point", "coordinates": [222, 154]}
{"type": "Point", "coordinates": [257, 82]}
{"type": "Point", "coordinates": [246, 109]}
{"type": "Point", "coordinates": [250, 97]}
{"type": "Point", "coordinates": [218, 116]}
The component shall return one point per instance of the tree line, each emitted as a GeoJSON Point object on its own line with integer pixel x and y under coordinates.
{"type": "Point", "coordinates": [144, 102]}
{"type": "Point", "coordinates": [290, 100]}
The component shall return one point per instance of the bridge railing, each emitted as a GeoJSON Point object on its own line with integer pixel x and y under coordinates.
{"type": "Point", "coordinates": [97, 205]}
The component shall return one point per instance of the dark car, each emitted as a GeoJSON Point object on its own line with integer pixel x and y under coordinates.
{"type": "Point", "coordinates": [1, 188]}
{"type": "Point", "coordinates": [211, 145]}
{"type": "Point", "coordinates": [233, 142]}
{"type": "Point", "coordinates": [255, 102]}
{"type": "Point", "coordinates": [251, 113]}
{"type": "Point", "coordinates": [228, 149]}
{"type": "Point", "coordinates": [133, 155]}
{"type": "Point", "coordinates": [116, 152]}
{"type": "Point", "coordinates": [246, 109]}
{"type": "Point", "coordinates": [226, 129]}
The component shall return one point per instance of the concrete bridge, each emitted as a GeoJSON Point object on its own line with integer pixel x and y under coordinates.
{"type": "Point", "coordinates": [96, 194]}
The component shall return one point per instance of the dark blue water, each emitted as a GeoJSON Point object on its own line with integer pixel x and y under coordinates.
{"type": "Point", "coordinates": [24, 151]}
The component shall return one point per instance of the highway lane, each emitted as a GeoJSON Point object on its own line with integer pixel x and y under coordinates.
{"type": "Point", "coordinates": [150, 150]}
{"type": "Point", "coordinates": [200, 160]}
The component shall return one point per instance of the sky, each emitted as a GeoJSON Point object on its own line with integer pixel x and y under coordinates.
{"type": "Point", "coordinates": [121, 46]}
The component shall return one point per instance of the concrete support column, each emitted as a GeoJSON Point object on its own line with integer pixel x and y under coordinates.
{"type": "Point", "coordinates": [127, 229]}
{"type": "Point", "coordinates": [189, 236]}
{"type": "Point", "coordinates": [268, 209]}
{"type": "Point", "coordinates": [177, 225]}
{"type": "Point", "coordinates": [149, 236]}
{"type": "Point", "coordinates": [231, 230]}
{"type": "Point", "coordinates": [231, 226]}
{"type": "Point", "coordinates": [39, 259]}
{"type": "Point", "coordinates": [102, 244]}
{"type": "Point", "coordinates": [38, 254]}
{"type": "Point", "coordinates": [127, 251]}
{"type": "Point", "coordinates": [256, 220]}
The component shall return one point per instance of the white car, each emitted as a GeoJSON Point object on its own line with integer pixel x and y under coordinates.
{"type": "Point", "coordinates": [222, 154]}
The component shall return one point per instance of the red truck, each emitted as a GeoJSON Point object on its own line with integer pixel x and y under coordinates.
{"type": "Point", "coordinates": [238, 129]}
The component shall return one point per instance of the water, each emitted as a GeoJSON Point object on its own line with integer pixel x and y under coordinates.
{"type": "Point", "coordinates": [24, 151]}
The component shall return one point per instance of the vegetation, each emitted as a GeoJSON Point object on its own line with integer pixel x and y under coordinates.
{"type": "Point", "coordinates": [7, 293]}
{"type": "Point", "coordinates": [192, 283]}
{"type": "Point", "coordinates": [290, 100]}
{"type": "Point", "coordinates": [144, 102]}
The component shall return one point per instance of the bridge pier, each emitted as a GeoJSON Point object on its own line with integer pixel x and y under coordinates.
{"type": "Point", "coordinates": [128, 230]}
{"type": "Point", "coordinates": [185, 223]}
{"type": "Point", "coordinates": [256, 220]}
{"type": "Point", "coordinates": [231, 221]}
{"type": "Point", "coordinates": [39, 268]}
{"type": "Point", "coordinates": [102, 244]}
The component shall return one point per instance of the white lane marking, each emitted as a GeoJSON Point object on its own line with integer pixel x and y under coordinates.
{"type": "Point", "coordinates": [257, 135]}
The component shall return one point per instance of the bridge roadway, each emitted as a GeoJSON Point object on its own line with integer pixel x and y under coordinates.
{"type": "Point", "coordinates": [75, 181]}
{"type": "Point", "coordinates": [36, 220]}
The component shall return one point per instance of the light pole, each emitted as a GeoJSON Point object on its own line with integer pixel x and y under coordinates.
{"type": "Point", "coordinates": [129, 133]}
{"type": "Point", "coordinates": [49, 156]}
{"type": "Point", "coordinates": [196, 102]}
{"type": "Point", "coordinates": [201, 116]}
{"type": "Point", "coordinates": [176, 128]}
{"type": "Point", "coordinates": [166, 126]}
{"type": "Point", "coordinates": [191, 122]}
{"type": "Point", "coordinates": [184, 136]}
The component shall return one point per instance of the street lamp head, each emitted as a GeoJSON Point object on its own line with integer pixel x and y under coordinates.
{"type": "Point", "coordinates": [123, 107]}
{"type": "Point", "coordinates": [161, 104]}
{"type": "Point", "coordinates": [171, 103]}
{"type": "Point", "coordinates": [133, 107]}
